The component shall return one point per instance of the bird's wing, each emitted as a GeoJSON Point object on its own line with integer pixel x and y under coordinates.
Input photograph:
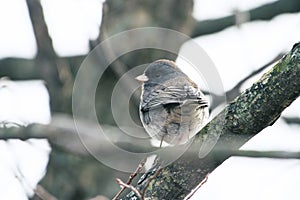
{"type": "Point", "coordinates": [173, 95]}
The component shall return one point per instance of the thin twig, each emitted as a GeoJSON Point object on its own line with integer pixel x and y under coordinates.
{"type": "Point", "coordinates": [235, 91]}
{"type": "Point", "coordinates": [156, 163]}
{"type": "Point", "coordinates": [124, 185]}
{"type": "Point", "coordinates": [258, 154]}
{"type": "Point", "coordinates": [197, 188]}
{"type": "Point", "coordinates": [231, 94]}
{"type": "Point", "coordinates": [131, 177]}
{"type": "Point", "coordinates": [150, 179]}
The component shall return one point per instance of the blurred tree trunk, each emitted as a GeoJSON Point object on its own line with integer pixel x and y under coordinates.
{"type": "Point", "coordinates": [46, 59]}
{"type": "Point", "coordinates": [119, 16]}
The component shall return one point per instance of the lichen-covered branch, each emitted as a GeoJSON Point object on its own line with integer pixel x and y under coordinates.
{"type": "Point", "coordinates": [256, 108]}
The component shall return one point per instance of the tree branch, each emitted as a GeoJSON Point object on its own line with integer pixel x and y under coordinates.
{"type": "Point", "coordinates": [264, 12]}
{"type": "Point", "coordinates": [42, 37]}
{"type": "Point", "coordinates": [64, 135]}
{"type": "Point", "coordinates": [258, 154]}
{"type": "Point", "coordinates": [256, 108]}
{"type": "Point", "coordinates": [235, 91]}
{"type": "Point", "coordinates": [291, 120]}
{"type": "Point", "coordinates": [46, 62]}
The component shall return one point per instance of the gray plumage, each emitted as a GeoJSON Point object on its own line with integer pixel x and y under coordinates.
{"type": "Point", "coordinates": [172, 108]}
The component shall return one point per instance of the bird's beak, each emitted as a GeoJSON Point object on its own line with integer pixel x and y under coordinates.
{"type": "Point", "coordinates": [142, 78]}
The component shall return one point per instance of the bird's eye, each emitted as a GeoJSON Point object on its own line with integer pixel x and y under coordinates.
{"type": "Point", "coordinates": [157, 75]}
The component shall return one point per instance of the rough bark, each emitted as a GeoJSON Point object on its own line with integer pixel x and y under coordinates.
{"type": "Point", "coordinates": [255, 109]}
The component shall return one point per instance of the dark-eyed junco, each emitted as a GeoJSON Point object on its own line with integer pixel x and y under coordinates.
{"type": "Point", "coordinates": [172, 107]}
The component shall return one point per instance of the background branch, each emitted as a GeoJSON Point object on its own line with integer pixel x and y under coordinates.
{"type": "Point", "coordinates": [257, 154]}
{"type": "Point", "coordinates": [40, 29]}
{"type": "Point", "coordinates": [235, 91]}
{"type": "Point", "coordinates": [46, 62]}
{"type": "Point", "coordinates": [264, 12]}
{"type": "Point", "coordinates": [291, 120]}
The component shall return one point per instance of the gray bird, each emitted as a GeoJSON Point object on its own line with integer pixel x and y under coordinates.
{"type": "Point", "coordinates": [172, 107]}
